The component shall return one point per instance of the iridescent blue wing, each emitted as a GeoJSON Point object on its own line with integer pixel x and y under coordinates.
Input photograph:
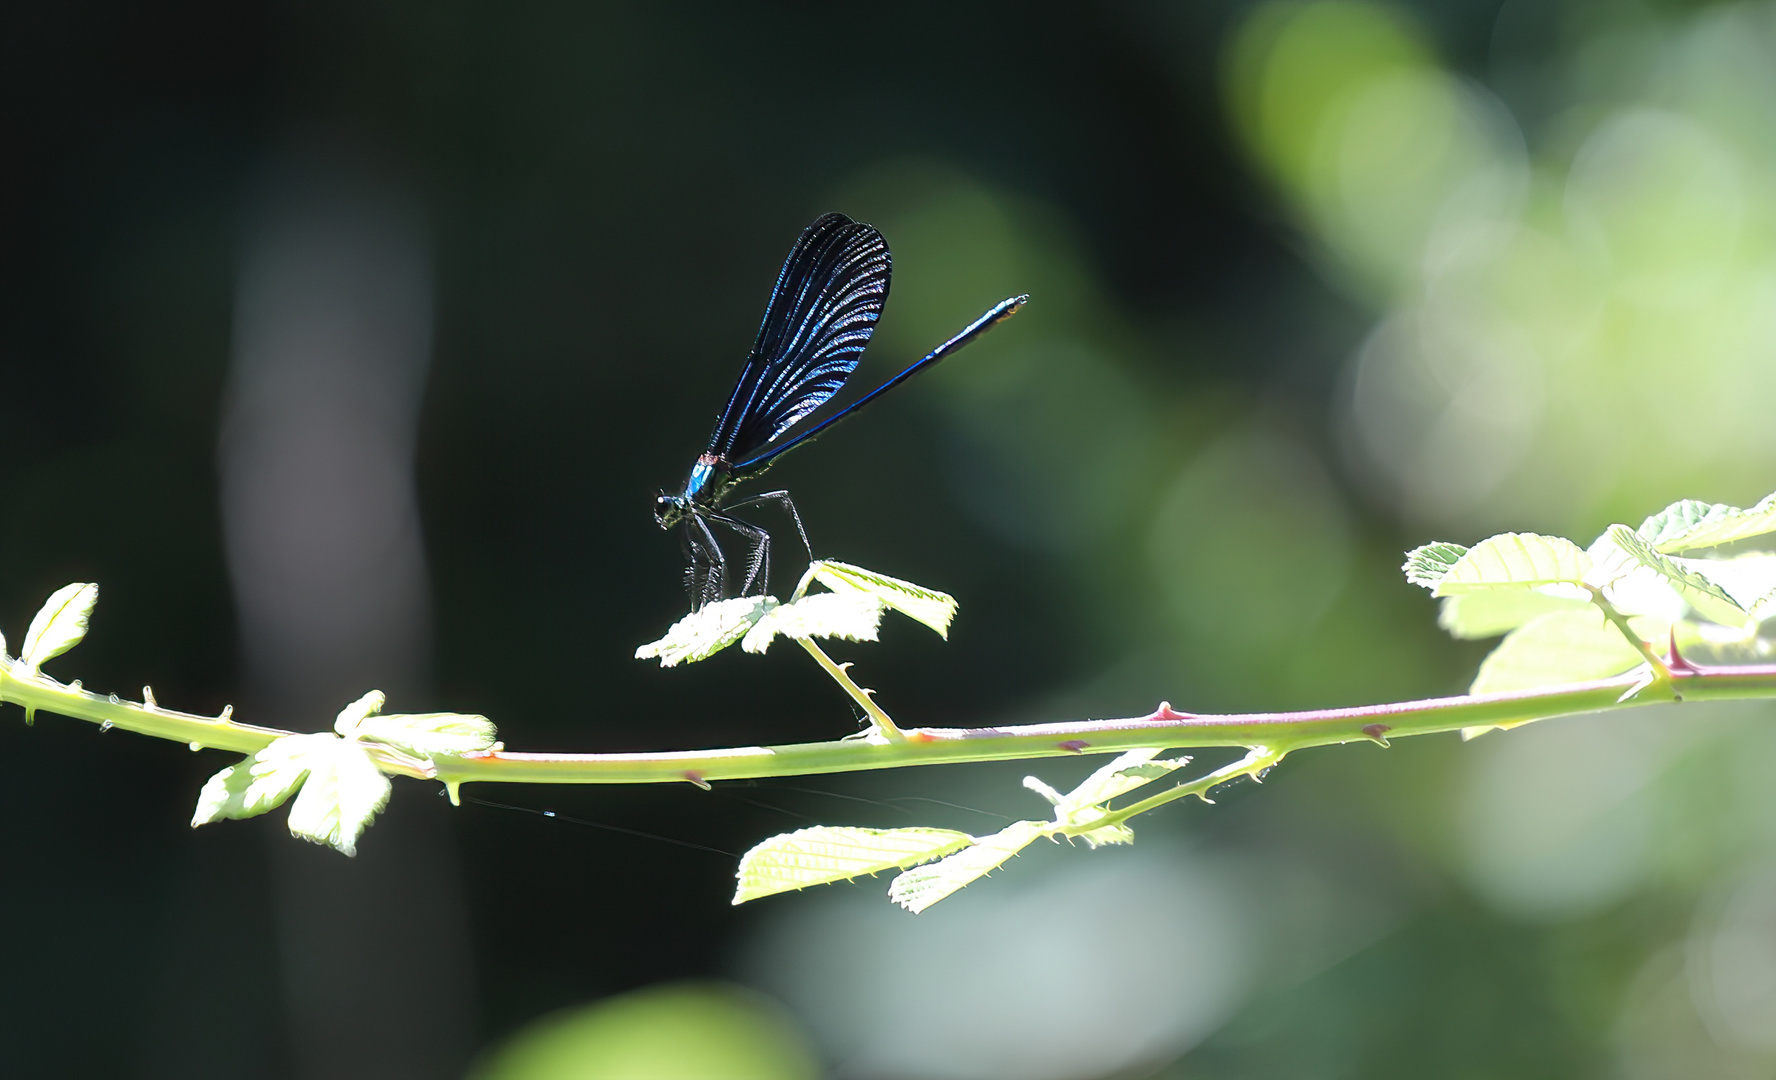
{"type": "Point", "coordinates": [822, 311]}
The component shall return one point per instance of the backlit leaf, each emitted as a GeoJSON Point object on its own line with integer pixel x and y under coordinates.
{"type": "Point", "coordinates": [1560, 647]}
{"type": "Point", "coordinates": [59, 625]}
{"type": "Point", "coordinates": [1710, 600]}
{"type": "Point", "coordinates": [853, 616]}
{"type": "Point", "coordinates": [1515, 560]}
{"type": "Point", "coordinates": [350, 717]}
{"type": "Point", "coordinates": [1426, 565]}
{"type": "Point", "coordinates": [1497, 611]}
{"type": "Point", "coordinates": [260, 781]}
{"type": "Point", "coordinates": [707, 631]}
{"type": "Point", "coordinates": [1690, 525]}
{"type": "Point", "coordinates": [431, 733]}
{"type": "Point", "coordinates": [828, 853]}
{"type": "Point", "coordinates": [922, 886]}
{"type": "Point", "coordinates": [343, 793]}
{"type": "Point", "coordinates": [1750, 579]}
{"type": "Point", "coordinates": [1123, 774]}
{"type": "Point", "coordinates": [933, 608]}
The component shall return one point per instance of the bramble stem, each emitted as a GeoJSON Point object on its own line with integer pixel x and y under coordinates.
{"type": "Point", "coordinates": [1276, 733]}
{"type": "Point", "coordinates": [38, 692]}
{"type": "Point", "coordinates": [885, 727]}
{"type": "Point", "coordinates": [1660, 672]}
{"type": "Point", "coordinates": [1282, 732]}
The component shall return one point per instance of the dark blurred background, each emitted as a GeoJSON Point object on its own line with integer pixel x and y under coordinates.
{"type": "Point", "coordinates": [345, 345]}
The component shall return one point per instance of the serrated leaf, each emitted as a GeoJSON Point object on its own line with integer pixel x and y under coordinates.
{"type": "Point", "coordinates": [431, 733]}
{"type": "Point", "coordinates": [1560, 647]}
{"type": "Point", "coordinates": [853, 616]}
{"type": "Point", "coordinates": [1124, 774]}
{"type": "Point", "coordinates": [1107, 835]}
{"type": "Point", "coordinates": [1750, 579]}
{"type": "Point", "coordinates": [1426, 565]}
{"type": "Point", "coordinates": [1708, 599]}
{"type": "Point", "coordinates": [343, 793]}
{"type": "Point", "coordinates": [828, 853]}
{"type": "Point", "coordinates": [1631, 586]}
{"type": "Point", "coordinates": [346, 723]}
{"type": "Point", "coordinates": [922, 886]}
{"type": "Point", "coordinates": [260, 781]}
{"type": "Point", "coordinates": [59, 624]}
{"type": "Point", "coordinates": [933, 608]}
{"type": "Point", "coordinates": [1515, 560]}
{"type": "Point", "coordinates": [1690, 525]}
{"type": "Point", "coordinates": [1496, 611]}
{"type": "Point", "coordinates": [707, 631]}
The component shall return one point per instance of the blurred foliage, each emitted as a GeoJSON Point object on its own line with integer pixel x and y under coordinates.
{"type": "Point", "coordinates": [1359, 275]}
{"type": "Point", "coordinates": [687, 1031]}
{"type": "Point", "coordinates": [1575, 302]}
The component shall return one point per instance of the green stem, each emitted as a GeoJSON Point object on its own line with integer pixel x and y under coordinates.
{"type": "Point", "coordinates": [38, 692]}
{"type": "Point", "coordinates": [885, 727]}
{"type": "Point", "coordinates": [1256, 761]}
{"type": "Point", "coordinates": [1275, 733]}
{"type": "Point", "coordinates": [1660, 672]}
{"type": "Point", "coordinates": [1284, 732]}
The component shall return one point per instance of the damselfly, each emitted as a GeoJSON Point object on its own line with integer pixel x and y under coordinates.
{"type": "Point", "coordinates": [821, 314]}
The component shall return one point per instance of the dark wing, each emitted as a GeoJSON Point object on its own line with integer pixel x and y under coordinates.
{"type": "Point", "coordinates": [822, 312]}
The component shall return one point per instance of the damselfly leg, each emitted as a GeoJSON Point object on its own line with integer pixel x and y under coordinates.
{"type": "Point", "coordinates": [758, 565]}
{"type": "Point", "coordinates": [781, 498]}
{"type": "Point", "coordinates": [706, 566]}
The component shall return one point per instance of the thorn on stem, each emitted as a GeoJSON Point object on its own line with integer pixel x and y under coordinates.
{"type": "Point", "coordinates": [148, 701]}
{"type": "Point", "coordinates": [696, 777]}
{"type": "Point", "coordinates": [226, 715]}
{"type": "Point", "coordinates": [1640, 684]}
{"type": "Point", "coordinates": [1674, 659]}
{"type": "Point", "coordinates": [1376, 731]}
{"type": "Point", "coordinates": [1165, 712]}
{"type": "Point", "coordinates": [1074, 746]}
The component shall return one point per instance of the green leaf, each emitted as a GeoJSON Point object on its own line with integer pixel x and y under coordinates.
{"type": "Point", "coordinates": [1497, 611]}
{"type": "Point", "coordinates": [1515, 560]}
{"type": "Point", "coordinates": [1750, 579]}
{"type": "Point", "coordinates": [343, 793]}
{"type": "Point", "coordinates": [1710, 600]}
{"type": "Point", "coordinates": [1426, 565]}
{"type": "Point", "coordinates": [1559, 647]}
{"type": "Point", "coordinates": [259, 782]}
{"type": "Point", "coordinates": [922, 886]}
{"type": "Point", "coordinates": [59, 625]}
{"type": "Point", "coordinates": [1127, 772]}
{"type": "Point", "coordinates": [707, 631]}
{"type": "Point", "coordinates": [1689, 525]}
{"type": "Point", "coordinates": [350, 717]}
{"type": "Point", "coordinates": [828, 853]}
{"type": "Point", "coordinates": [1106, 835]}
{"type": "Point", "coordinates": [427, 734]}
{"type": "Point", "coordinates": [853, 616]}
{"type": "Point", "coordinates": [928, 606]}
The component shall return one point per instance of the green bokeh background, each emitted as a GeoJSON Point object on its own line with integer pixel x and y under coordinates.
{"type": "Point", "coordinates": [1311, 284]}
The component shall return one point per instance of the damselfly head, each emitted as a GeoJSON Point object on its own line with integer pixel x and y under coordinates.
{"type": "Point", "coordinates": [668, 509]}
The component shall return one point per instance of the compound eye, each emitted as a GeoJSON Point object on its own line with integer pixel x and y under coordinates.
{"type": "Point", "coordinates": [665, 509]}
